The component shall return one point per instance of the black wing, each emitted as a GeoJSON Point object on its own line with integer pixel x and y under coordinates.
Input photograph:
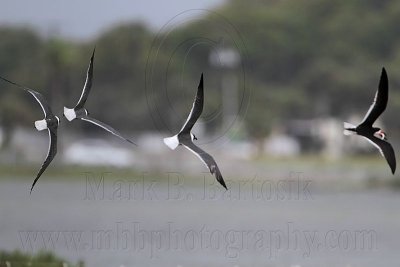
{"type": "Point", "coordinates": [88, 84]}
{"type": "Point", "coordinates": [51, 153]}
{"type": "Point", "coordinates": [380, 101]}
{"type": "Point", "coordinates": [197, 109]}
{"type": "Point", "coordinates": [38, 96]}
{"type": "Point", "coordinates": [106, 127]}
{"type": "Point", "coordinates": [386, 150]}
{"type": "Point", "coordinates": [206, 159]}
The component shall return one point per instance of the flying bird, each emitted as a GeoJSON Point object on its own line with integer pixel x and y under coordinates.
{"type": "Point", "coordinates": [375, 135]}
{"type": "Point", "coordinates": [49, 123]}
{"type": "Point", "coordinates": [185, 137]}
{"type": "Point", "coordinates": [80, 112]}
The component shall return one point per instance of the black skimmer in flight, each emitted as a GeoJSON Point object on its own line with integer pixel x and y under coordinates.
{"type": "Point", "coordinates": [185, 137]}
{"type": "Point", "coordinates": [80, 112]}
{"type": "Point", "coordinates": [49, 123]}
{"type": "Point", "coordinates": [375, 135]}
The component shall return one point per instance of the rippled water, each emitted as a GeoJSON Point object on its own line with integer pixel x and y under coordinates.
{"type": "Point", "coordinates": [157, 225]}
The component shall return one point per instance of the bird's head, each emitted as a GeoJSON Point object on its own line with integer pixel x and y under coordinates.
{"type": "Point", "coordinates": [381, 134]}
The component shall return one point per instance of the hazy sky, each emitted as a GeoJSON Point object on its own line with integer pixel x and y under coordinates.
{"type": "Point", "coordinates": [86, 18]}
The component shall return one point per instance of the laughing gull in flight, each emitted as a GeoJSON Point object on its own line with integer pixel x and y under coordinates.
{"type": "Point", "coordinates": [185, 137]}
{"type": "Point", "coordinates": [80, 112]}
{"type": "Point", "coordinates": [49, 123]}
{"type": "Point", "coordinates": [375, 135]}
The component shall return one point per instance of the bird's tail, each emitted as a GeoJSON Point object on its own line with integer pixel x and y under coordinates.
{"type": "Point", "coordinates": [41, 125]}
{"type": "Point", "coordinates": [69, 113]}
{"type": "Point", "coordinates": [172, 142]}
{"type": "Point", "coordinates": [349, 129]}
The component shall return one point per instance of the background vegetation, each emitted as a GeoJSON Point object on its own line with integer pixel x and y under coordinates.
{"type": "Point", "coordinates": [41, 259]}
{"type": "Point", "coordinates": [303, 59]}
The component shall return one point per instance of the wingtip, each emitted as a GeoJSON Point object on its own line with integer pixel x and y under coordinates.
{"type": "Point", "coordinates": [92, 56]}
{"type": "Point", "coordinates": [37, 178]}
{"type": "Point", "coordinates": [384, 73]}
{"type": "Point", "coordinates": [393, 169]}
{"type": "Point", "coordinates": [226, 188]}
{"type": "Point", "coordinates": [4, 79]}
{"type": "Point", "coordinates": [384, 82]}
{"type": "Point", "coordinates": [129, 141]}
{"type": "Point", "coordinates": [16, 84]}
{"type": "Point", "coordinates": [222, 182]}
{"type": "Point", "coordinates": [30, 192]}
{"type": "Point", "coordinates": [224, 185]}
{"type": "Point", "coordinates": [201, 80]}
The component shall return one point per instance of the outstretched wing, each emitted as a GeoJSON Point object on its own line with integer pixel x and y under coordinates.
{"type": "Point", "coordinates": [38, 96]}
{"type": "Point", "coordinates": [197, 109]}
{"type": "Point", "coordinates": [380, 101]}
{"type": "Point", "coordinates": [88, 84]}
{"type": "Point", "coordinates": [206, 159]}
{"type": "Point", "coordinates": [385, 149]}
{"type": "Point", "coordinates": [51, 153]}
{"type": "Point", "coordinates": [106, 127]}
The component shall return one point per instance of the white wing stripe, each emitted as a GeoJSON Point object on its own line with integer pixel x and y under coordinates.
{"type": "Point", "coordinates": [198, 155]}
{"type": "Point", "coordinates": [375, 145]}
{"type": "Point", "coordinates": [189, 117]}
{"type": "Point", "coordinates": [371, 107]}
{"type": "Point", "coordinates": [104, 127]}
{"type": "Point", "coordinates": [40, 103]}
{"type": "Point", "coordinates": [87, 80]}
{"type": "Point", "coordinates": [101, 126]}
{"type": "Point", "coordinates": [84, 87]}
{"type": "Point", "coordinates": [50, 142]}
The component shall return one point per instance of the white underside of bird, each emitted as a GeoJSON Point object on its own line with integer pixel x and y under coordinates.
{"type": "Point", "coordinates": [69, 113]}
